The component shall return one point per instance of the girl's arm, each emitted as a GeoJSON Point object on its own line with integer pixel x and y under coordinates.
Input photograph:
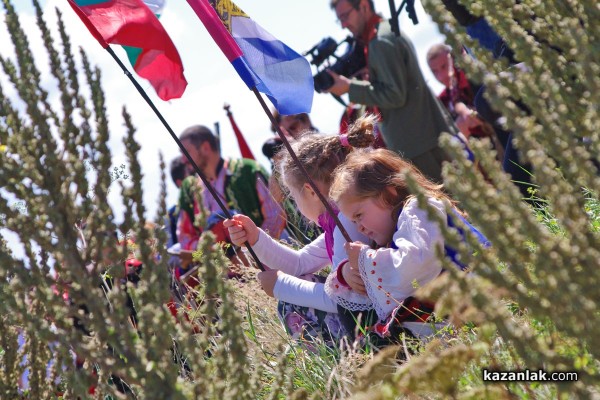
{"type": "Point", "coordinates": [311, 258]}
{"type": "Point", "coordinates": [393, 274]}
{"type": "Point", "coordinates": [303, 293]}
{"type": "Point", "coordinates": [273, 253]}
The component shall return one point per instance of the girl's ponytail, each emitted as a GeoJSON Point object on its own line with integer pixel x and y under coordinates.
{"type": "Point", "coordinates": [361, 133]}
{"type": "Point", "coordinates": [320, 154]}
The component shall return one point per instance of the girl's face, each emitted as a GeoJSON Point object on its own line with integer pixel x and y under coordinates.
{"type": "Point", "coordinates": [308, 202]}
{"type": "Point", "coordinates": [373, 218]}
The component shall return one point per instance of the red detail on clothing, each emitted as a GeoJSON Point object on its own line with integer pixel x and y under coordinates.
{"type": "Point", "coordinates": [132, 266]}
{"type": "Point", "coordinates": [220, 232]}
{"type": "Point", "coordinates": [370, 32]}
{"type": "Point", "coordinates": [411, 309]}
{"type": "Point", "coordinates": [461, 91]}
{"type": "Point", "coordinates": [192, 281]}
{"type": "Point", "coordinates": [380, 329]}
{"type": "Point", "coordinates": [372, 271]}
{"type": "Point", "coordinates": [374, 263]}
{"type": "Point", "coordinates": [172, 306]}
{"type": "Point", "coordinates": [340, 277]}
{"type": "Point", "coordinates": [351, 113]}
{"type": "Point", "coordinates": [380, 280]}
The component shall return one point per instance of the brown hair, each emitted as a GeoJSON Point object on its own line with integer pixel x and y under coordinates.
{"type": "Point", "coordinates": [354, 3]}
{"type": "Point", "coordinates": [321, 154]}
{"type": "Point", "coordinates": [198, 134]}
{"type": "Point", "coordinates": [369, 174]}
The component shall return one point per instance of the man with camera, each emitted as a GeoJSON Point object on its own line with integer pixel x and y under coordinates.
{"type": "Point", "coordinates": [411, 117]}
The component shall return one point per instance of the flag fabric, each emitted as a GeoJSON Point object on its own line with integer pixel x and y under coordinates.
{"type": "Point", "coordinates": [150, 49]}
{"type": "Point", "coordinates": [243, 145]}
{"type": "Point", "coordinates": [262, 61]}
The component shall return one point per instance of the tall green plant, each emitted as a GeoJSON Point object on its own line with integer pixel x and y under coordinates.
{"type": "Point", "coordinates": [534, 298]}
{"type": "Point", "coordinates": [55, 175]}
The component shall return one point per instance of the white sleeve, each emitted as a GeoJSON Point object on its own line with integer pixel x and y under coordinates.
{"type": "Point", "coordinates": [303, 293]}
{"type": "Point", "coordinates": [339, 253]}
{"type": "Point", "coordinates": [311, 258]}
{"type": "Point", "coordinates": [392, 275]}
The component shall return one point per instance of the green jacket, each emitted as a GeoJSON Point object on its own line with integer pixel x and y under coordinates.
{"type": "Point", "coordinates": [412, 117]}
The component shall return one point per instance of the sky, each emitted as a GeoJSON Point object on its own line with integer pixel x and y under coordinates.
{"type": "Point", "coordinates": [212, 81]}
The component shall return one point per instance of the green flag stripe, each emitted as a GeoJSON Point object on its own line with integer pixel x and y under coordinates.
{"type": "Point", "coordinates": [133, 52]}
{"type": "Point", "coordinates": [89, 2]}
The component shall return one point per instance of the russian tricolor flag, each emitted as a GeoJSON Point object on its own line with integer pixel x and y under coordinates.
{"type": "Point", "coordinates": [262, 61]}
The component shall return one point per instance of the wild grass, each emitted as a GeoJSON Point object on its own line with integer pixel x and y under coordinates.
{"type": "Point", "coordinates": [531, 301]}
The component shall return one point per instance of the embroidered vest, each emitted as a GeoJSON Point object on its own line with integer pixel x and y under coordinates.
{"type": "Point", "coordinates": [240, 187]}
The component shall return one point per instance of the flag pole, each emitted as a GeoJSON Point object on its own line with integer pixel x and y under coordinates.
{"type": "Point", "coordinates": [182, 148]}
{"type": "Point", "coordinates": [287, 145]}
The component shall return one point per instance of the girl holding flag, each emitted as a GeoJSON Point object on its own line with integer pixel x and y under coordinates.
{"type": "Point", "coordinates": [305, 308]}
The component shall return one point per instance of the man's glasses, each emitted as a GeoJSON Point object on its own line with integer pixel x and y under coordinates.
{"type": "Point", "coordinates": [343, 17]}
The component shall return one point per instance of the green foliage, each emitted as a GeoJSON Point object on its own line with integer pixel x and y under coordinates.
{"type": "Point", "coordinates": [532, 301]}
{"type": "Point", "coordinates": [544, 261]}
{"type": "Point", "coordinates": [55, 177]}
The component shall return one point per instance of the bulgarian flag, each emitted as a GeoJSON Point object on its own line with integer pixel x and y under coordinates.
{"type": "Point", "coordinates": [261, 60]}
{"type": "Point", "coordinates": [132, 24]}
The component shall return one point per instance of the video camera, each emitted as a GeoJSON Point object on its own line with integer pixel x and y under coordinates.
{"type": "Point", "coordinates": [348, 64]}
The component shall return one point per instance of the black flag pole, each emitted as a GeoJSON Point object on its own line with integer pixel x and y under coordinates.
{"type": "Point", "coordinates": [312, 184]}
{"type": "Point", "coordinates": [183, 150]}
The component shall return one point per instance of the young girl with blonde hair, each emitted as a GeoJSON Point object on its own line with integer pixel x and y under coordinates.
{"type": "Point", "coordinates": [304, 306]}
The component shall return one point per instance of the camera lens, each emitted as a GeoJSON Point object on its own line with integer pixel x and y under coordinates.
{"type": "Point", "coordinates": [323, 81]}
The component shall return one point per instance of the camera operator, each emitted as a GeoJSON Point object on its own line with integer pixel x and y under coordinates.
{"type": "Point", "coordinates": [412, 118]}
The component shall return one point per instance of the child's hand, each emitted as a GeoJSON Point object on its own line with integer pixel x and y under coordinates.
{"type": "Point", "coordinates": [267, 280]}
{"type": "Point", "coordinates": [241, 229]}
{"type": "Point", "coordinates": [353, 251]}
{"type": "Point", "coordinates": [352, 277]}
{"type": "Point", "coordinates": [350, 271]}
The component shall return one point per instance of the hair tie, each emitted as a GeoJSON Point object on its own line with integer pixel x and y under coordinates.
{"type": "Point", "coordinates": [344, 140]}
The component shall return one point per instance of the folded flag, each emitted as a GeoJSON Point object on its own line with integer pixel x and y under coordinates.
{"type": "Point", "coordinates": [150, 49]}
{"type": "Point", "coordinates": [262, 61]}
{"type": "Point", "coordinates": [243, 145]}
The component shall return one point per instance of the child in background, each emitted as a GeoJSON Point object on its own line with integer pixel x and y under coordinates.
{"type": "Point", "coordinates": [370, 189]}
{"type": "Point", "coordinates": [304, 307]}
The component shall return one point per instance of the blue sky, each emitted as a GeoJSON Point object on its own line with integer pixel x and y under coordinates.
{"type": "Point", "coordinates": [212, 81]}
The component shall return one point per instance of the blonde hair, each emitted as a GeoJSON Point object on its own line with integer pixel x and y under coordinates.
{"type": "Point", "coordinates": [321, 154]}
{"type": "Point", "coordinates": [369, 174]}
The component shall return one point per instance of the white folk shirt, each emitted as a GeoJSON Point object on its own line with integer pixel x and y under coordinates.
{"type": "Point", "coordinates": [393, 274]}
